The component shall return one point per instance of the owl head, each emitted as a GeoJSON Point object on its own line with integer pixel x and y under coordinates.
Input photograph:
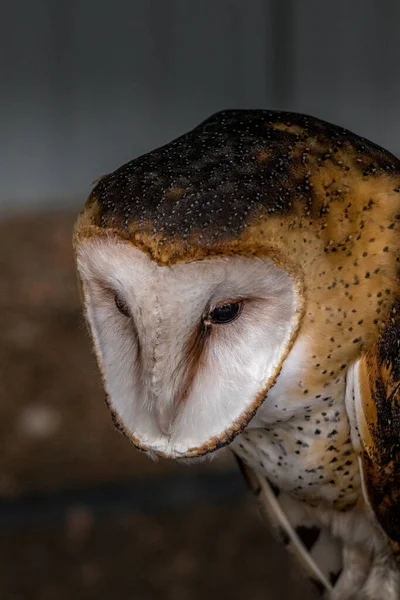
{"type": "Point", "coordinates": [200, 266]}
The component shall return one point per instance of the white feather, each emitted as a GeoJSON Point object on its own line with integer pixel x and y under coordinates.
{"type": "Point", "coordinates": [143, 358]}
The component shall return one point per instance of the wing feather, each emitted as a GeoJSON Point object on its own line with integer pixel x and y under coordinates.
{"type": "Point", "coordinates": [373, 407]}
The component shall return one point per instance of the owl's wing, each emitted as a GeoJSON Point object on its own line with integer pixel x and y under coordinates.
{"type": "Point", "coordinates": [318, 554]}
{"type": "Point", "coordinates": [373, 407]}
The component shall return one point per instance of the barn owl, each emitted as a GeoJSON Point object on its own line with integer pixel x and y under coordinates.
{"type": "Point", "coordinates": [241, 286]}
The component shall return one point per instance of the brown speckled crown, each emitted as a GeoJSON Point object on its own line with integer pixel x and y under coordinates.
{"type": "Point", "coordinates": [209, 183]}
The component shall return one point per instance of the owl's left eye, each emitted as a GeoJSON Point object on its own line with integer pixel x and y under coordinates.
{"type": "Point", "coordinates": [225, 313]}
{"type": "Point", "coordinates": [122, 306]}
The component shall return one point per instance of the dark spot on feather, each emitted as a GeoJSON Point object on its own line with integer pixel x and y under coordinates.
{"type": "Point", "coordinates": [308, 535]}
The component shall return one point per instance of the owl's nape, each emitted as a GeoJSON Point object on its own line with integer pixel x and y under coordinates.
{"type": "Point", "coordinates": [187, 351]}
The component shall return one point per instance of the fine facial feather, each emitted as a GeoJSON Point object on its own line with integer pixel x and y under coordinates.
{"type": "Point", "coordinates": [176, 389]}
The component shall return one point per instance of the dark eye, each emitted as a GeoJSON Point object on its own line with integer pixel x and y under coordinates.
{"type": "Point", "coordinates": [121, 305]}
{"type": "Point", "coordinates": [225, 313]}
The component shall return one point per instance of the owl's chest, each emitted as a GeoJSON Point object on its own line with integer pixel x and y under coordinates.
{"type": "Point", "coordinates": [311, 458]}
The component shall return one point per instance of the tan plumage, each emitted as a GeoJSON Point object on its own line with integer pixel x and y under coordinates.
{"type": "Point", "coordinates": [298, 222]}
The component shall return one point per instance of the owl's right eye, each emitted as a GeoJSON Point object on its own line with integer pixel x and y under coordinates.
{"type": "Point", "coordinates": [226, 313]}
{"type": "Point", "coordinates": [122, 306]}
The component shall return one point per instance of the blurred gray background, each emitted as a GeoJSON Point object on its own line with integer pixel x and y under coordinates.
{"type": "Point", "coordinates": [89, 84]}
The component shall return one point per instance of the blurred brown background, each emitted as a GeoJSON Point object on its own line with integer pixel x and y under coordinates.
{"type": "Point", "coordinates": [87, 86]}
